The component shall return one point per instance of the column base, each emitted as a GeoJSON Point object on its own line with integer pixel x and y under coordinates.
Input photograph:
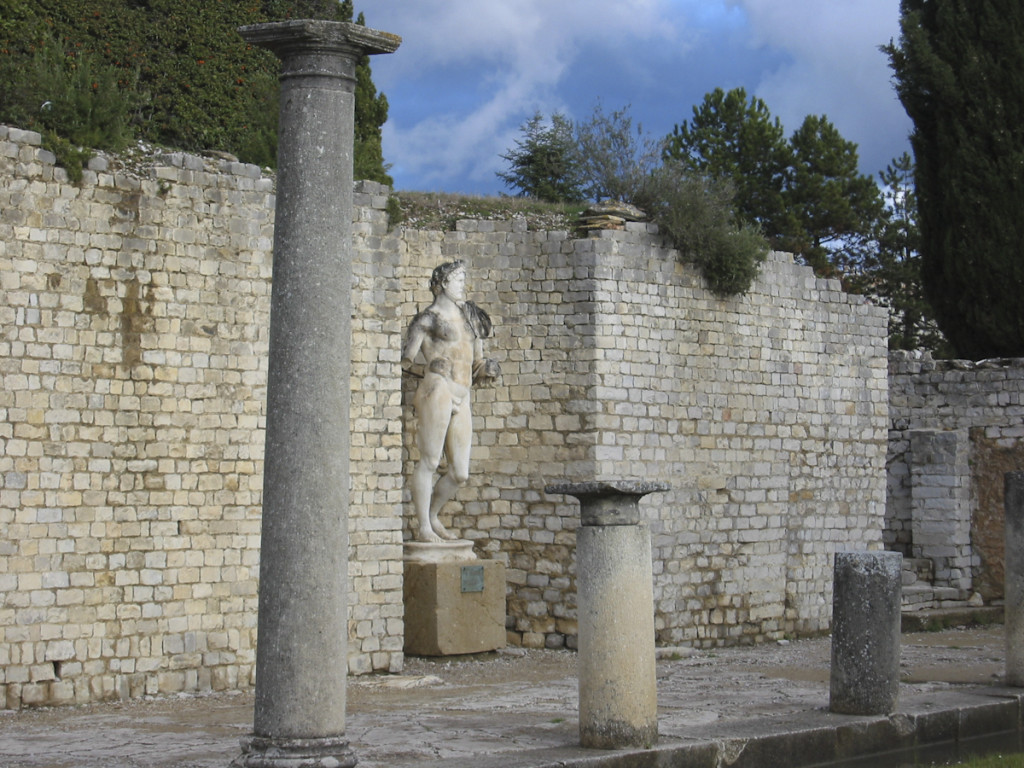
{"type": "Point", "coordinates": [268, 752]}
{"type": "Point", "coordinates": [618, 735]}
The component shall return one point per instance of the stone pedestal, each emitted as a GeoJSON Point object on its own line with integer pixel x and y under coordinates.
{"type": "Point", "coordinates": [301, 654]}
{"type": "Point", "coordinates": [614, 585]}
{"type": "Point", "coordinates": [457, 551]}
{"type": "Point", "coordinates": [454, 607]}
{"type": "Point", "coordinates": [866, 594]}
{"type": "Point", "coordinates": [1014, 575]}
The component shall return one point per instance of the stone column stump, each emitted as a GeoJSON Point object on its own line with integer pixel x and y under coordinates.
{"type": "Point", "coordinates": [1014, 576]}
{"type": "Point", "coordinates": [302, 644]}
{"type": "Point", "coordinates": [866, 596]}
{"type": "Point", "coordinates": [618, 705]}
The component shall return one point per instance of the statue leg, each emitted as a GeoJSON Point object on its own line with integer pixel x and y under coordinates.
{"type": "Point", "coordinates": [458, 442]}
{"type": "Point", "coordinates": [433, 413]}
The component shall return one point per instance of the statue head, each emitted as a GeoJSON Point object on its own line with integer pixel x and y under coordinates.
{"type": "Point", "coordinates": [443, 273]}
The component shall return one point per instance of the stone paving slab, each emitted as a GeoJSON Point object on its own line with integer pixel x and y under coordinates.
{"type": "Point", "coordinates": [737, 707]}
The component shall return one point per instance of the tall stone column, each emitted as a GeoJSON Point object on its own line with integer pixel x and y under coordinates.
{"type": "Point", "coordinates": [615, 613]}
{"type": "Point", "coordinates": [301, 652]}
{"type": "Point", "coordinates": [866, 597]}
{"type": "Point", "coordinates": [1014, 578]}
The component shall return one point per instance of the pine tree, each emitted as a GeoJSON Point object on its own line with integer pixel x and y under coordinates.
{"type": "Point", "coordinates": [832, 206]}
{"type": "Point", "coordinates": [732, 138]}
{"type": "Point", "coordinates": [544, 163]}
{"type": "Point", "coordinates": [805, 194]}
{"type": "Point", "coordinates": [957, 67]}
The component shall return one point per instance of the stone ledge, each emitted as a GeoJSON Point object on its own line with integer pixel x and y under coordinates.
{"type": "Point", "coordinates": [932, 620]}
{"type": "Point", "coordinates": [945, 727]}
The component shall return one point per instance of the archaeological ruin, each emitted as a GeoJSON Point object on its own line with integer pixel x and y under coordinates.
{"type": "Point", "coordinates": [134, 359]}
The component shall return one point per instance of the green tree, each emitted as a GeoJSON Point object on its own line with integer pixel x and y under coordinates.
{"type": "Point", "coordinates": [832, 207]}
{"type": "Point", "coordinates": [805, 194]}
{"type": "Point", "coordinates": [892, 275]}
{"type": "Point", "coordinates": [695, 212]}
{"type": "Point", "coordinates": [734, 138]}
{"type": "Point", "coordinates": [957, 68]}
{"type": "Point", "coordinates": [544, 162]}
{"type": "Point", "coordinates": [188, 78]}
{"type": "Point", "coordinates": [371, 114]}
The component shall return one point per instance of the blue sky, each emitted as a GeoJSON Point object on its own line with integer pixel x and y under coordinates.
{"type": "Point", "coordinates": [469, 73]}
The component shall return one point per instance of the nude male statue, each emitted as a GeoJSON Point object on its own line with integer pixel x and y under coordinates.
{"type": "Point", "coordinates": [448, 336]}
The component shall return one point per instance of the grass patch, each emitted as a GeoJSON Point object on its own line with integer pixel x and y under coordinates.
{"type": "Point", "coordinates": [987, 761]}
{"type": "Point", "coordinates": [441, 211]}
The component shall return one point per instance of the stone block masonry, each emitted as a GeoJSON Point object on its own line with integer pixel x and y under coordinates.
{"type": "Point", "coordinates": [133, 363]}
{"type": "Point", "coordinates": [956, 428]}
{"type": "Point", "coordinates": [134, 310]}
{"type": "Point", "coordinates": [765, 413]}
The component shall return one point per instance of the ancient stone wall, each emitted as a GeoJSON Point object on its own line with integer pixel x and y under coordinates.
{"type": "Point", "coordinates": [766, 413]}
{"type": "Point", "coordinates": [134, 311]}
{"type": "Point", "coordinates": [955, 428]}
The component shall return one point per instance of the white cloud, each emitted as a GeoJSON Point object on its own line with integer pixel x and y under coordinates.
{"type": "Point", "coordinates": [469, 72]}
{"type": "Point", "coordinates": [521, 50]}
{"type": "Point", "coordinates": [835, 68]}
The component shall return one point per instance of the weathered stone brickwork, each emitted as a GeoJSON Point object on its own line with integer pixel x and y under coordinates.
{"type": "Point", "coordinates": [765, 413]}
{"type": "Point", "coordinates": [134, 314]}
{"type": "Point", "coordinates": [134, 319]}
{"type": "Point", "coordinates": [955, 428]}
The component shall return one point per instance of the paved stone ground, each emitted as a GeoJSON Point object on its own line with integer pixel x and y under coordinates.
{"type": "Point", "coordinates": [503, 709]}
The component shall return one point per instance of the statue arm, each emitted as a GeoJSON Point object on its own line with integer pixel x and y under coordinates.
{"type": "Point", "coordinates": [414, 344]}
{"type": "Point", "coordinates": [485, 370]}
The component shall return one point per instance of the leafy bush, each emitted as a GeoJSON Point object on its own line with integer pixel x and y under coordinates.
{"type": "Point", "coordinates": [614, 158]}
{"type": "Point", "coordinates": [696, 213]}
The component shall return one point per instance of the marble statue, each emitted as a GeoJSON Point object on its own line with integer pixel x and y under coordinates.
{"type": "Point", "coordinates": [444, 345]}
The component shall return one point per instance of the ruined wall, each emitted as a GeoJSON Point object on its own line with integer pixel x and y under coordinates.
{"type": "Point", "coordinates": [134, 316]}
{"type": "Point", "coordinates": [766, 413]}
{"type": "Point", "coordinates": [134, 310]}
{"type": "Point", "coordinates": [955, 428]}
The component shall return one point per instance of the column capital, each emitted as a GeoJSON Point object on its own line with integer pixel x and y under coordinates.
{"type": "Point", "coordinates": [303, 35]}
{"type": "Point", "coordinates": [609, 502]}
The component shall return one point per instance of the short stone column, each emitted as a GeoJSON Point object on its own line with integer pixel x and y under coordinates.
{"type": "Point", "coordinates": [866, 596]}
{"type": "Point", "coordinates": [615, 610]}
{"type": "Point", "coordinates": [302, 643]}
{"type": "Point", "coordinates": [1014, 576]}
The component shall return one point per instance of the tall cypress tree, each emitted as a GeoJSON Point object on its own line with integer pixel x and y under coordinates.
{"type": "Point", "coordinates": [371, 114]}
{"type": "Point", "coordinates": [958, 73]}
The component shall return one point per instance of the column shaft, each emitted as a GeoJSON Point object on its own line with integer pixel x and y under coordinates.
{"type": "Point", "coordinates": [1014, 578]}
{"type": "Point", "coordinates": [866, 597]}
{"type": "Point", "coordinates": [617, 678]}
{"type": "Point", "coordinates": [301, 652]}
{"type": "Point", "coordinates": [615, 613]}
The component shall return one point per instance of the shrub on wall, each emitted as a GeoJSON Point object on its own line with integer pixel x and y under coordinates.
{"type": "Point", "coordinates": [696, 212]}
{"type": "Point", "coordinates": [697, 215]}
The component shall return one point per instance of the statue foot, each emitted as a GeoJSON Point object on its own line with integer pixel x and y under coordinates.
{"type": "Point", "coordinates": [427, 534]}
